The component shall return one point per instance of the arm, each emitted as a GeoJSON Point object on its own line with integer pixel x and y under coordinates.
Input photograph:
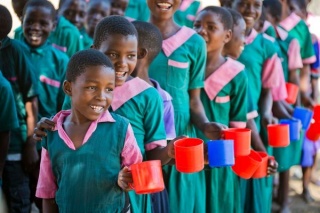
{"type": "Point", "coordinates": [256, 140]}
{"type": "Point", "coordinates": [49, 206]}
{"type": "Point", "coordinates": [306, 100]}
{"type": "Point", "coordinates": [265, 104]}
{"type": "Point", "coordinates": [4, 146]}
{"type": "Point", "coordinates": [280, 111]}
{"type": "Point", "coordinates": [211, 130]}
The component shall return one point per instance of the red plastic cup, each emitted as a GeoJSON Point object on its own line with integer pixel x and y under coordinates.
{"type": "Point", "coordinates": [262, 170]}
{"type": "Point", "coordinates": [147, 177]}
{"type": "Point", "coordinates": [313, 133]}
{"type": "Point", "coordinates": [241, 138]}
{"type": "Point", "coordinates": [246, 166]}
{"type": "Point", "coordinates": [316, 113]}
{"type": "Point", "coordinates": [278, 135]}
{"type": "Point", "coordinates": [292, 91]}
{"type": "Point", "coordinates": [189, 155]}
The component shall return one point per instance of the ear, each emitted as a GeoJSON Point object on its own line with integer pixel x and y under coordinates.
{"type": "Point", "coordinates": [228, 36]}
{"type": "Point", "coordinates": [142, 53]}
{"type": "Point", "coordinates": [67, 88]}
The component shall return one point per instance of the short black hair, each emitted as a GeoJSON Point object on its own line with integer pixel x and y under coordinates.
{"type": "Point", "coordinates": [274, 8]}
{"type": "Point", "coordinates": [41, 3]}
{"type": "Point", "coordinates": [223, 14]}
{"type": "Point", "coordinates": [5, 23]}
{"type": "Point", "coordinates": [226, 3]}
{"type": "Point", "coordinates": [149, 37]}
{"type": "Point", "coordinates": [83, 59]}
{"type": "Point", "coordinates": [236, 16]}
{"type": "Point", "coordinates": [113, 25]}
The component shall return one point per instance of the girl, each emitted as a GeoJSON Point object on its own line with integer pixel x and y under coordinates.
{"type": "Point", "coordinates": [83, 156]}
{"type": "Point", "coordinates": [224, 98]}
{"type": "Point", "coordinates": [264, 72]}
{"type": "Point", "coordinates": [179, 69]}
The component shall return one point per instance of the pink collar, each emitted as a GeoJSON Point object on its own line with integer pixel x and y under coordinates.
{"type": "Point", "coordinates": [281, 33]}
{"type": "Point", "coordinates": [290, 22]}
{"type": "Point", "coordinates": [251, 37]}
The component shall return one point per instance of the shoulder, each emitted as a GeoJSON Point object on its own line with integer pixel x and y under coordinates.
{"type": "Point", "coordinates": [64, 26]}
{"type": "Point", "coordinates": [58, 53]}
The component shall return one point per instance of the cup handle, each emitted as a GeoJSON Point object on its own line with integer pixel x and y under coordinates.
{"type": "Point", "coordinates": [131, 185]}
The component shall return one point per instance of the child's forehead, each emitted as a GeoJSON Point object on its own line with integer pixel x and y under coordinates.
{"type": "Point", "coordinates": [68, 3]}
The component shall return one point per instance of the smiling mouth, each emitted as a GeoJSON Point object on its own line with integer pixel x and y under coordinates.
{"type": "Point", "coordinates": [164, 6]}
{"type": "Point", "coordinates": [97, 109]}
{"type": "Point", "coordinates": [120, 74]}
{"type": "Point", "coordinates": [34, 36]}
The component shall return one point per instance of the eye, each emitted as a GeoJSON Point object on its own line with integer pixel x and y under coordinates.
{"type": "Point", "coordinates": [109, 89]}
{"type": "Point", "coordinates": [91, 87]}
{"type": "Point", "coordinates": [210, 27]}
{"type": "Point", "coordinates": [131, 56]}
{"type": "Point", "coordinates": [112, 55]}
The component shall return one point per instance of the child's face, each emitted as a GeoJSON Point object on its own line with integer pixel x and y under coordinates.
{"type": "Point", "coordinates": [118, 7]}
{"type": "Point", "coordinates": [96, 12]}
{"type": "Point", "coordinates": [235, 46]}
{"type": "Point", "coordinates": [122, 51]}
{"type": "Point", "coordinates": [37, 25]}
{"type": "Point", "coordinates": [250, 10]}
{"type": "Point", "coordinates": [92, 92]}
{"type": "Point", "coordinates": [75, 12]}
{"type": "Point", "coordinates": [209, 26]}
{"type": "Point", "coordinates": [163, 9]}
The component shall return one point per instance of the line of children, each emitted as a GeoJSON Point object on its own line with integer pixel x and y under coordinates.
{"type": "Point", "coordinates": [22, 155]}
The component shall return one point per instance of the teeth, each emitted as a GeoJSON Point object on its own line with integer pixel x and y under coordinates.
{"type": "Point", "coordinates": [120, 74]}
{"type": "Point", "coordinates": [164, 6]}
{"type": "Point", "coordinates": [97, 108]}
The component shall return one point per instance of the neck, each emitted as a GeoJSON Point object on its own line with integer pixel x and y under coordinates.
{"type": "Point", "coordinates": [248, 31]}
{"type": "Point", "coordinates": [167, 27]}
{"type": "Point", "coordinates": [214, 61]}
{"type": "Point", "coordinates": [285, 12]}
{"type": "Point", "coordinates": [75, 119]}
{"type": "Point", "coordinates": [142, 70]}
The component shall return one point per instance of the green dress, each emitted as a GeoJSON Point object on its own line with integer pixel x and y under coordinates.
{"type": "Point", "coordinates": [187, 12]}
{"type": "Point", "coordinates": [178, 68]}
{"type": "Point", "coordinates": [8, 111]}
{"type": "Point", "coordinates": [137, 10]}
{"type": "Point", "coordinates": [224, 98]}
{"type": "Point", "coordinates": [291, 61]}
{"type": "Point", "coordinates": [263, 71]}
{"type": "Point", "coordinates": [269, 29]}
{"type": "Point", "coordinates": [86, 39]}
{"type": "Point", "coordinates": [66, 37]}
{"type": "Point", "coordinates": [17, 68]}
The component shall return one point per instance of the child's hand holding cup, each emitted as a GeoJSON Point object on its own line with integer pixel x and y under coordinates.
{"type": "Point", "coordinates": [125, 179]}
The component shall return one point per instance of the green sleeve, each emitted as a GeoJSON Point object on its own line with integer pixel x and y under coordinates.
{"type": "Point", "coordinates": [198, 64]}
{"type": "Point", "coordinates": [271, 32]}
{"type": "Point", "coordinates": [73, 41]}
{"type": "Point", "coordinates": [250, 103]}
{"type": "Point", "coordinates": [18, 34]}
{"type": "Point", "coordinates": [238, 103]}
{"type": "Point", "coordinates": [66, 103]}
{"type": "Point", "coordinates": [8, 113]}
{"type": "Point", "coordinates": [153, 118]}
{"type": "Point", "coordinates": [307, 50]}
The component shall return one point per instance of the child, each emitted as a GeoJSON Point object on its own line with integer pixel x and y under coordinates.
{"type": "Point", "coordinates": [149, 46]}
{"type": "Point", "coordinates": [179, 69]}
{"type": "Point", "coordinates": [89, 146]}
{"type": "Point", "coordinates": [291, 61]}
{"type": "Point", "coordinates": [186, 13]}
{"type": "Point", "coordinates": [224, 98]}
{"type": "Point", "coordinates": [22, 156]}
{"type": "Point", "coordinates": [75, 11]}
{"type": "Point", "coordinates": [97, 10]}
{"type": "Point", "coordinates": [264, 73]}
{"type": "Point", "coordinates": [65, 37]}
{"type": "Point", "coordinates": [9, 121]}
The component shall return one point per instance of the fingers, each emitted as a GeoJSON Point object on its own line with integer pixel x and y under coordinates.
{"type": "Point", "coordinates": [45, 124]}
{"type": "Point", "coordinates": [125, 179]}
{"type": "Point", "coordinates": [272, 166]}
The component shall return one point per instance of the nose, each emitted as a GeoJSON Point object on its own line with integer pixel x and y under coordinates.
{"type": "Point", "coordinates": [250, 9]}
{"type": "Point", "coordinates": [121, 62]}
{"type": "Point", "coordinates": [35, 26]}
{"type": "Point", "coordinates": [96, 16]}
{"type": "Point", "coordinates": [102, 95]}
{"type": "Point", "coordinates": [201, 31]}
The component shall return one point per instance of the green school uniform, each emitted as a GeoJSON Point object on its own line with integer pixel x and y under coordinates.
{"type": "Point", "coordinates": [86, 39]}
{"type": "Point", "coordinates": [269, 29]}
{"type": "Point", "coordinates": [142, 105]}
{"type": "Point", "coordinates": [298, 29]}
{"type": "Point", "coordinates": [138, 10]}
{"type": "Point", "coordinates": [50, 73]}
{"type": "Point", "coordinates": [262, 71]}
{"type": "Point", "coordinates": [8, 112]}
{"type": "Point", "coordinates": [17, 68]}
{"type": "Point", "coordinates": [91, 171]}
{"type": "Point", "coordinates": [224, 99]}
{"type": "Point", "coordinates": [290, 52]}
{"type": "Point", "coordinates": [187, 12]}
{"type": "Point", "coordinates": [178, 68]}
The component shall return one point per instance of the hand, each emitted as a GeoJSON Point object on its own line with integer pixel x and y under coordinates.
{"type": "Point", "coordinates": [307, 101]}
{"type": "Point", "coordinates": [125, 179]}
{"type": "Point", "coordinates": [30, 156]}
{"type": "Point", "coordinates": [170, 146]}
{"type": "Point", "coordinates": [272, 166]}
{"type": "Point", "coordinates": [268, 119]}
{"type": "Point", "coordinates": [213, 130]}
{"type": "Point", "coordinates": [40, 130]}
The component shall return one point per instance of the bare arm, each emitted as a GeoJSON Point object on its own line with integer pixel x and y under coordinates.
{"type": "Point", "coordinates": [4, 146]}
{"type": "Point", "coordinates": [256, 140]}
{"type": "Point", "coordinates": [306, 100]}
{"type": "Point", "coordinates": [49, 206]}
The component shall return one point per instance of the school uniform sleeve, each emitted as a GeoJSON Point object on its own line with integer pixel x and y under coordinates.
{"type": "Point", "coordinates": [131, 153]}
{"type": "Point", "coordinates": [307, 52]}
{"type": "Point", "coordinates": [8, 113]}
{"type": "Point", "coordinates": [294, 56]}
{"type": "Point", "coordinates": [238, 102]}
{"type": "Point", "coordinates": [155, 134]}
{"type": "Point", "coordinates": [252, 111]}
{"type": "Point", "coordinates": [198, 65]}
{"type": "Point", "coordinates": [168, 114]}
{"type": "Point", "coordinates": [46, 187]}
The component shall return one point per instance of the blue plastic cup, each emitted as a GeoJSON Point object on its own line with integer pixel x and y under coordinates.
{"type": "Point", "coordinates": [294, 128]}
{"type": "Point", "coordinates": [304, 115]}
{"type": "Point", "coordinates": [220, 153]}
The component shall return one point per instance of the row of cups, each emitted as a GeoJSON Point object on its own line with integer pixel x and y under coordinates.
{"type": "Point", "coordinates": [234, 150]}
